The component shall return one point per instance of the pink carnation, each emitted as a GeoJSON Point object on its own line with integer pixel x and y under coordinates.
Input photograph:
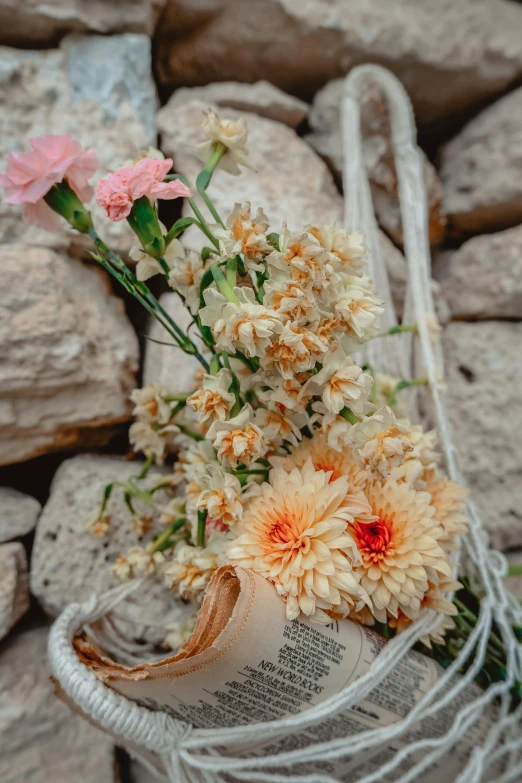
{"type": "Point", "coordinates": [30, 175]}
{"type": "Point", "coordinates": [117, 192]}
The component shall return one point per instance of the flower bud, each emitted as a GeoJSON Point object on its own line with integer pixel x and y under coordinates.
{"type": "Point", "coordinates": [63, 200]}
{"type": "Point", "coordinates": [143, 220]}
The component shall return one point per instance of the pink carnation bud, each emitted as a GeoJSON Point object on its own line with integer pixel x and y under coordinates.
{"type": "Point", "coordinates": [118, 192]}
{"type": "Point", "coordinates": [30, 175]}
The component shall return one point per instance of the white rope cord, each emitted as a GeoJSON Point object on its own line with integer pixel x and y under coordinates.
{"type": "Point", "coordinates": [190, 755]}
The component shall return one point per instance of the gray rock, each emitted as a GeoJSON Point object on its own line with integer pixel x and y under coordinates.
{"type": "Point", "coordinates": [482, 170]}
{"type": "Point", "coordinates": [69, 354]}
{"type": "Point", "coordinates": [44, 23]}
{"type": "Point", "coordinates": [110, 70]}
{"type": "Point", "coordinates": [325, 121]}
{"type": "Point", "coordinates": [483, 279]}
{"type": "Point", "coordinates": [260, 98]}
{"type": "Point", "coordinates": [163, 364]}
{"type": "Point", "coordinates": [41, 739]}
{"type": "Point", "coordinates": [451, 55]}
{"type": "Point", "coordinates": [18, 514]}
{"type": "Point", "coordinates": [484, 375]}
{"type": "Point", "coordinates": [37, 97]}
{"type": "Point", "coordinates": [290, 181]}
{"type": "Point", "coordinates": [14, 586]}
{"type": "Point", "coordinates": [69, 563]}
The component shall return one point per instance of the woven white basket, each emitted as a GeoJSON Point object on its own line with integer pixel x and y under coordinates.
{"type": "Point", "coordinates": [186, 755]}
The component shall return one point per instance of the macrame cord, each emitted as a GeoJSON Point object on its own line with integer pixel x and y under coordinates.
{"type": "Point", "coordinates": [190, 755]}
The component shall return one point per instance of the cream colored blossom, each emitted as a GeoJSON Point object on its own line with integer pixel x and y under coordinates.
{"type": "Point", "coordinates": [358, 310]}
{"type": "Point", "coordinates": [343, 383]}
{"type": "Point", "coordinates": [192, 567]}
{"type": "Point", "coordinates": [247, 326]}
{"type": "Point", "coordinates": [294, 534]}
{"type": "Point", "coordinates": [244, 234]}
{"type": "Point", "coordinates": [238, 439]}
{"type": "Point", "coordinates": [140, 523]}
{"type": "Point", "coordinates": [121, 568]}
{"type": "Point", "coordinates": [449, 500]}
{"type": "Point", "coordinates": [221, 497]}
{"type": "Point", "coordinates": [284, 393]}
{"type": "Point", "coordinates": [99, 526]}
{"type": "Point", "coordinates": [147, 266]}
{"type": "Point", "coordinates": [186, 272]}
{"type": "Point", "coordinates": [179, 633]}
{"type": "Point", "coordinates": [291, 300]}
{"type": "Point", "coordinates": [150, 404]}
{"type": "Point", "coordinates": [277, 427]}
{"type": "Point", "coordinates": [233, 134]}
{"type": "Point", "coordinates": [349, 249]}
{"type": "Point", "coordinates": [324, 457]}
{"type": "Point", "coordinates": [213, 400]}
{"type": "Point", "coordinates": [400, 550]}
{"type": "Point", "coordinates": [303, 259]}
{"type": "Point", "coordinates": [435, 598]}
{"type": "Point", "coordinates": [152, 440]}
{"type": "Point", "coordinates": [379, 442]}
{"type": "Point", "coordinates": [420, 459]}
{"type": "Point", "coordinates": [295, 350]}
{"type": "Point", "coordinates": [137, 562]}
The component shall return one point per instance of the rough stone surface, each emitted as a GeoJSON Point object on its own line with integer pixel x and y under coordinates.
{"type": "Point", "coordinates": [483, 279]}
{"type": "Point", "coordinates": [107, 104]}
{"type": "Point", "coordinates": [68, 354]}
{"type": "Point", "coordinates": [484, 375]}
{"type": "Point", "coordinates": [451, 55]}
{"type": "Point", "coordinates": [260, 98]}
{"type": "Point", "coordinates": [482, 170]}
{"type": "Point", "coordinates": [18, 514]}
{"type": "Point", "coordinates": [290, 182]}
{"type": "Point", "coordinates": [33, 22]}
{"type": "Point", "coordinates": [41, 739]}
{"type": "Point", "coordinates": [69, 563]}
{"type": "Point", "coordinates": [325, 121]}
{"type": "Point", "coordinates": [14, 586]}
{"type": "Point", "coordinates": [163, 364]}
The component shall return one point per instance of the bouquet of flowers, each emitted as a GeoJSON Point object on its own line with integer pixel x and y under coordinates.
{"type": "Point", "coordinates": [294, 457]}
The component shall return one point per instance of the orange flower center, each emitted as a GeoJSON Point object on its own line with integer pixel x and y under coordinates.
{"type": "Point", "coordinates": [319, 465]}
{"type": "Point", "coordinates": [285, 530]}
{"type": "Point", "coordinates": [374, 540]}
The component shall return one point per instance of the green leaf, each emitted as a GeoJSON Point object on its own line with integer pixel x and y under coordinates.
{"type": "Point", "coordinates": [203, 180]}
{"type": "Point", "coordinates": [273, 238]}
{"type": "Point", "coordinates": [206, 253]}
{"type": "Point", "coordinates": [178, 228]}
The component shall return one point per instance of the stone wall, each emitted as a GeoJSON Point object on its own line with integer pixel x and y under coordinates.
{"type": "Point", "coordinates": [122, 75]}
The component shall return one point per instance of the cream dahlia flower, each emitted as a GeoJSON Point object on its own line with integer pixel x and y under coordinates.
{"type": "Point", "coordinates": [435, 598]}
{"type": "Point", "coordinates": [324, 457]}
{"type": "Point", "coordinates": [379, 442]}
{"type": "Point", "coordinates": [400, 550]}
{"type": "Point", "coordinates": [221, 497]}
{"type": "Point", "coordinates": [295, 535]}
{"type": "Point", "coordinates": [449, 500]}
{"type": "Point", "coordinates": [244, 234]}
{"type": "Point", "coordinates": [233, 134]}
{"type": "Point", "coordinates": [238, 439]}
{"type": "Point", "coordinates": [349, 249]}
{"type": "Point", "coordinates": [213, 400]}
{"type": "Point", "coordinates": [343, 382]}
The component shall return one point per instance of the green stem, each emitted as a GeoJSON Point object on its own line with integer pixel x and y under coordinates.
{"type": "Point", "coordinates": [146, 467]}
{"type": "Point", "coordinates": [224, 285]}
{"type": "Point", "coordinates": [231, 269]}
{"type": "Point", "coordinates": [202, 529]}
{"type": "Point", "coordinates": [190, 433]}
{"type": "Point", "coordinates": [349, 415]}
{"type": "Point", "coordinates": [400, 329]}
{"type": "Point", "coordinates": [164, 537]}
